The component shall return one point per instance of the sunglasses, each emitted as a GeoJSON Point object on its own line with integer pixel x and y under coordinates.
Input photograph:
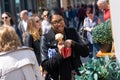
{"type": "Point", "coordinates": [4, 17]}
{"type": "Point", "coordinates": [45, 15]}
{"type": "Point", "coordinates": [56, 22]}
{"type": "Point", "coordinates": [37, 21]}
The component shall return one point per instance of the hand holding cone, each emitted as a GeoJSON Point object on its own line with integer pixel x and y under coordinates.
{"type": "Point", "coordinates": [63, 48]}
{"type": "Point", "coordinates": [59, 37]}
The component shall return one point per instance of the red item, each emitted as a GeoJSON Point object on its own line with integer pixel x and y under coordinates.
{"type": "Point", "coordinates": [106, 14]}
{"type": "Point", "coordinates": [66, 52]}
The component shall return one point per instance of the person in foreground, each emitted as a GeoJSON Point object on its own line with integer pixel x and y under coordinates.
{"type": "Point", "coordinates": [59, 59]}
{"type": "Point", "coordinates": [16, 63]}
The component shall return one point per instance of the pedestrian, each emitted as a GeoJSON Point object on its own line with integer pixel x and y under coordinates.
{"type": "Point", "coordinates": [22, 25]}
{"type": "Point", "coordinates": [30, 13]}
{"type": "Point", "coordinates": [105, 7]}
{"type": "Point", "coordinates": [7, 19]}
{"type": "Point", "coordinates": [16, 63]}
{"type": "Point", "coordinates": [45, 24]}
{"type": "Point", "coordinates": [67, 16]}
{"type": "Point", "coordinates": [65, 56]}
{"type": "Point", "coordinates": [81, 15]}
{"type": "Point", "coordinates": [31, 37]}
{"type": "Point", "coordinates": [89, 23]}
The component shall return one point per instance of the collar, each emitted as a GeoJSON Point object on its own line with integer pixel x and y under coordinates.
{"type": "Point", "coordinates": [20, 48]}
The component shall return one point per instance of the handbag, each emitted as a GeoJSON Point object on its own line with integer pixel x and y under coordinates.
{"type": "Point", "coordinates": [83, 36]}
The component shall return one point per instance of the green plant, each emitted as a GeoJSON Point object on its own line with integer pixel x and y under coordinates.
{"type": "Point", "coordinates": [102, 33]}
{"type": "Point", "coordinates": [99, 69]}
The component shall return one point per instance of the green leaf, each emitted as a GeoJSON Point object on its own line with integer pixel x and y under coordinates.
{"type": "Point", "coordinates": [102, 33]}
{"type": "Point", "coordinates": [99, 69]}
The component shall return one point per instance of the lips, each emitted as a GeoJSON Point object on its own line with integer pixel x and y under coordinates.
{"type": "Point", "coordinates": [60, 29]}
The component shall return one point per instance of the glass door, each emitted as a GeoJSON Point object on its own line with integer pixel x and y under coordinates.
{"type": "Point", "coordinates": [18, 8]}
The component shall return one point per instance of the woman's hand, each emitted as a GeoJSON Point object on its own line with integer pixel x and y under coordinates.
{"type": "Point", "coordinates": [68, 43]}
{"type": "Point", "coordinates": [65, 48]}
{"type": "Point", "coordinates": [88, 29]}
{"type": "Point", "coordinates": [60, 47]}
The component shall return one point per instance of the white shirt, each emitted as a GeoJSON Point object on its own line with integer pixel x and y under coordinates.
{"type": "Point", "coordinates": [45, 26]}
{"type": "Point", "coordinates": [24, 24]}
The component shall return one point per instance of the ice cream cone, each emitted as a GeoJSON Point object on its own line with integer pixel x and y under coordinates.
{"type": "Point", "coordinates": [59, 37]}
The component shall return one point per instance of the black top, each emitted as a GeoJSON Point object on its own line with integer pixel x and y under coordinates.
{"type": "Point", "coordinates": [29, 41]}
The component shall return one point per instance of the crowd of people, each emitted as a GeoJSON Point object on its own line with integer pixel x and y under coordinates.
{"type": "Point", "coordinates": [30, 50]}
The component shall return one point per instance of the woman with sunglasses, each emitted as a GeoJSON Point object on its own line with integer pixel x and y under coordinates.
{"type": "Point", "coordinates": [58, 65]}
{"type": "Point", "coordinates": [45, 24]}
{"type": "Point", "coordinates": [8, 20]}
{"type": "Point", "coordinates": [31, 37]}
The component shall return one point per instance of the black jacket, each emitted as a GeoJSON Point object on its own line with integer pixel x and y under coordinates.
{"type": "Point", "coordinates": [57, 65]}
{"type": "Point", "coordinates": [29, 41]}
{"type": "Point", "coordinates": [21, 30]}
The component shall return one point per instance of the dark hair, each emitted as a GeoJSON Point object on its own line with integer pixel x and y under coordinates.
{"type": "Point", "coordinates": [9, 15]}
{"type": "Point", "coordinates": [54, 12]}
{"type": "Point", "coordinates": [82, 5]}
{"type": "Point", "coordinates": [89, 10]}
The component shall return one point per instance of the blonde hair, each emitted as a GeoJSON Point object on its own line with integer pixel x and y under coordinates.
{"type": "Point", "coordinates": [9, 40]}
{"type": "Point", "coordinates": [31, 28]}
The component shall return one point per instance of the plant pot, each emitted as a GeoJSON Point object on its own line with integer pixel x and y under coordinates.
{"type": "Point", "coordinates": [105, 48]}
{"type": "Point", "coordinates": [110, 54]}
{"type": "Point", "coordinates": [101, 79]}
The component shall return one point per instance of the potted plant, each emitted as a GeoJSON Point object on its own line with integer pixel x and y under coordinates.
{"type": "Point", "coordinates": [102, 34]}
{"type": "Point", "coordinates": [99, 69]}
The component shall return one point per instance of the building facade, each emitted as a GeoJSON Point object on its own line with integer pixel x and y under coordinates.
{"type": "Point", "coordinates": [15, 6]}
{"type": "Point", "coordinates": [50, 4]}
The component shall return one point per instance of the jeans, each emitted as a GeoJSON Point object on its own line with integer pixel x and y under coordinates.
{"type": "Point", "coordinates": [93, 48]}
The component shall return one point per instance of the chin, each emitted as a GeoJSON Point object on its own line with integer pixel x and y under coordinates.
{"type": "Point", "coordinates": [61, 31]}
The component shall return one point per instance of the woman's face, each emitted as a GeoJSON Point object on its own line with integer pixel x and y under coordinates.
{"type": "Point", "coordinates": [101, 6]}
{"type": "Point", "coordinates": [90, 15]}
{"type": "Point", "coordinates": [58, 23]}
{"type": "Point", "coordinates": [37, 22]}
{"type": "Point", "coordinates": [5, 18]}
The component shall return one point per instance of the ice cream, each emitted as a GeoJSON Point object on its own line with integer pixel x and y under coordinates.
{"type": "Point", "coordinates": [59, 37]}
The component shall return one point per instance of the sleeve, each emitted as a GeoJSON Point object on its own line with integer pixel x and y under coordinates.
{"type": "Point", "coordinates": [31, 70]}
{"type": "Point", "coordinates": [48, 64]}
{"type": "Point", "coordinates": [19, 27]}
{"type": "Point", "coordinates": [28, 40]}
{"type": "Point", "coordinates": [43, 28]}
{"type": "Point", "coordinates": [84, 23]}
{"type": "Point", "coordinates": [37, 70]}
{"type": "Point", "coordinates": [79, 46]}
{"type": "Point", "coordinates": [18, 33]}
